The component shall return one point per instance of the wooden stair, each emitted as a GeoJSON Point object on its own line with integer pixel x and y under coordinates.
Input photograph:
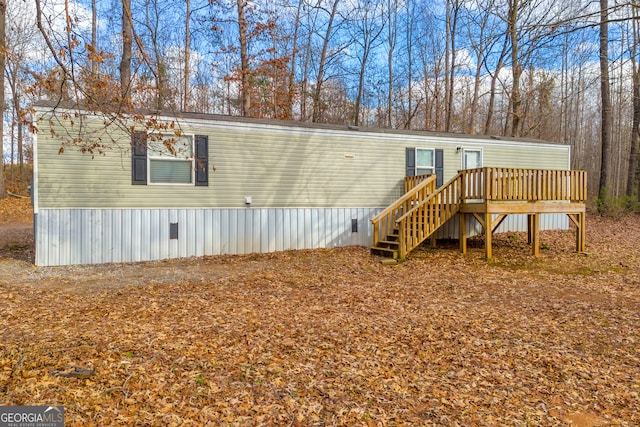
{"type": "Point", "coordinates": [403, 226]}
{"type": "Point", "coordinates": [388, 248]}
{"type": "Point", "coordinates": [488, 194]}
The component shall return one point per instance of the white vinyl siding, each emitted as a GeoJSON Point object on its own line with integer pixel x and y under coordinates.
{"type": "Point", "coordinates": [278, 166]}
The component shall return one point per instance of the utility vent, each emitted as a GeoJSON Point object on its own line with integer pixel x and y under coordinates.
{"type": "Point", "coordinates": [354, 225]}
{"type": "Point", "coordinates": [173, 230]}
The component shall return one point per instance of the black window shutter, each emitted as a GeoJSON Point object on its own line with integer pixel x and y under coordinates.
{"type": "Point", "coordinates": [411, 161]}
{"type": "Point", "coordinates": [202, 160]}
{"type": "Point", "coordinates": [139, 158]}
{"type": "Point", "coordinates": [439, 167]}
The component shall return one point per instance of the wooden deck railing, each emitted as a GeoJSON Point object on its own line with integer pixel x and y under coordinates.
{"type": "Point", "coordinates": [524, 184]}
{"type": "Point", "coordinates": [412, 181]}
{"type": "Point", "coordinates": [427, 216]}
{"type": "Point", "coordinates": [385, 221]}
{"type": "Point", "coordinates": [423, 209]}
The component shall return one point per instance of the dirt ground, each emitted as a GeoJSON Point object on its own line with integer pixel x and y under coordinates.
{"type": "Point", "coordinates": [332, 337]}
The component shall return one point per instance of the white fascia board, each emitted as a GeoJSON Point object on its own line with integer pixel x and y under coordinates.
{"type": "Point", "coordinates": [34, 183]}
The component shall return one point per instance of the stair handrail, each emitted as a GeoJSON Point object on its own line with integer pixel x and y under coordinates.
{"type": "Point", "coordinates": [450, 198]}
{"type": "Point", "coordinates": [385, 220]}
{"type": "Point", "coordinates": [429, 198]}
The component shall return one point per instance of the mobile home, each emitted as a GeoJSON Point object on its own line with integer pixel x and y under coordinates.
{"type": "Point", "coordinates": [116, 191]}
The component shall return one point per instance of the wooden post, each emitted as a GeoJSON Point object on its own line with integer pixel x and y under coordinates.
{"type": "Point", "coordinates": [376, 233]}
{"type": "Point", "coordinates": [580, 233]}
{"type": "Point", "coordinates": [535, 234]}
{"type": "Point", "coordinates": [463, 232]}
{"type": "Point", "coordinates": [402, 242]}
{"type": "Point", "coordinates": [488, 234]}
{"type": "Point", "coordinates": [529, 229]}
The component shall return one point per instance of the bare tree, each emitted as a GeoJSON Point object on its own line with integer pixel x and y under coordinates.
{"type": "Point", "coordinates": [409, 37]}
{"type": "Point", "coordinates": [158, 61]}
{"type": "Point", "coordinates": [244, 58]}
{"type": "Point", "coordinates": [127, 47]}
{"type": "Point", "coordinates": [605, 94]}
{"type": "Point", "coordinates": [451, 20]}
{"type": "Point", "coordinates": [294, 57]}
{"type": "Point", "coordinates": [317, 107]}
{"type": "Point", "coordinates": [494, 83]}
{"type": "Point", "coordinates": [392, 40]}
{"type": "Point", "coordinates": [94, 36]}
{"type": "Point", "coordinates": [368, 25]}
{"type": "Point", "coordinates": [187, 56]}
{"type": "Point", "coordinates": [633, 168]}
{"type": "Point", "coordinates": [3, 53]}
{"type": "Point", "coordinates": [480, 33]}
{"type": "Point", "coordinates": [516, 67]}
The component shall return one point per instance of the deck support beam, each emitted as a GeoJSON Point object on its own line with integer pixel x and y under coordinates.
{"type": "Point", "coordinates": [578, 220]}
{"type": "Point", "coordinates": [463, 232]}
{"type": "Point", "coordinates": [533, 233]}
{"type": "Point", "coordinates": [488, 235]}
{"type": "Point", "coordinates": [484, 212]}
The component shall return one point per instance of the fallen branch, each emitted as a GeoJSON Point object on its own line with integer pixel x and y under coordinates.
{"type": "Point", "coordinates": [18, 195]}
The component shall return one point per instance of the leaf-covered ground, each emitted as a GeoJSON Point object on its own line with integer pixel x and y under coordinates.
{"type": "Point", "coordinates": [332, 337]}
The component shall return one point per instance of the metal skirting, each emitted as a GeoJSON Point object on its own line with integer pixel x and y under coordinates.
{"type": "Point", "coordinates": [97, 236]}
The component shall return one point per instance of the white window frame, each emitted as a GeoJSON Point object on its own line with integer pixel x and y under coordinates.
{"type": "Point", "coordinates": [191, 159]}
{"type": "Point", "coordinates": [465, 150]}
{"type": "Point", "coordinates": [432, 168]}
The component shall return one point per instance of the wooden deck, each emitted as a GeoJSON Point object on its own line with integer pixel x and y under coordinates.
{"type": "Point", "coordinates": [487, 194]}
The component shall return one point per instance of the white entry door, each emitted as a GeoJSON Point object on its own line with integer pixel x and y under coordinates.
{"type": "Point", "coordinates": [471, 158]}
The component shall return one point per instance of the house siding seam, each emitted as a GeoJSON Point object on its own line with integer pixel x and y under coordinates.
{"type": "Point", "coordinates": [97, 236]}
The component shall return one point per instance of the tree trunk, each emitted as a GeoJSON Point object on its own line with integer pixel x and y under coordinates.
{"type": "Point", "coordinates": [606, 122]}
{"type": "Point", "coordinates": [633, 171]}
{"type": "Point", "coordinates": [3, 50]}
{"type": "Point", "coordinates": [187, 56]}
{"type": "Point", "coordinates": [356, 110]}
{"type": "Point", "coordinates": [392, 22]}
{"type": "Point", "coordinates": [516, 69]}
{"type": "Point", "coordinates": [409, 38]}
{"type": "Point", "coordinates": [447, 63]}
{"type": "Point", "coordinates": [317, 110]}
{"type": "Point", "coordinates": [244, 59]}
{"type": "Point", "coordinates": [94, 36]}
{"type": "Point", "coordinates": [127, 44]}
{"type": "Point", "coordinates": [494, 82]}
{"type": "Point", "coordinates": [452, 24]}
{"type": "Point", "coordinates": [18, 120]}
{"type": "Point", "coordinates": [471, 127]}
{"type": "Point", "coordinates": [292, 72]}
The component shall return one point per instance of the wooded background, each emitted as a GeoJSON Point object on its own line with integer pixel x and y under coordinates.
{"type": "Point", "coordinates": [547, 69]}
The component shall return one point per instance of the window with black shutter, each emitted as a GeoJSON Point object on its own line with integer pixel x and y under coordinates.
{"type": "Point", "coordinates": [170, 159]}
{"type": "Point", "coordinates": [202, 160]}
{"type": "Point", "coordinates": [139, 158]}
{"type": "Point", "coordinates": [421, 161]}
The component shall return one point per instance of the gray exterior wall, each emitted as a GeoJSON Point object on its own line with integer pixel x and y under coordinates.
{"type": "Point", "coordinates": [306, 185]}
